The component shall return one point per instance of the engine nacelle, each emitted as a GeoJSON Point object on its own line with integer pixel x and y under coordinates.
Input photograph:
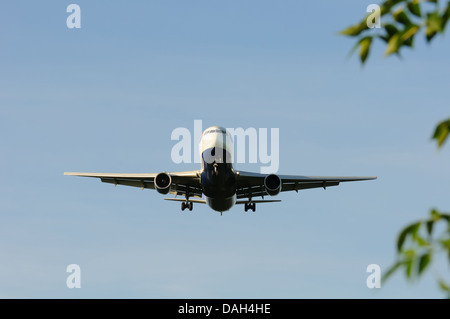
{"type": "Point", "coordinates": [272, 183]}
{"type": "Point", "coordinates": [162, 183]}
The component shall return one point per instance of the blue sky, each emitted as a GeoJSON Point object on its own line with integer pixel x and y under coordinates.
{"type": "Point", "coordinates": [106, 97]}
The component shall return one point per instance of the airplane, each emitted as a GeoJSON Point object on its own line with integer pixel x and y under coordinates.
{"type": "Point", "coordinates": [222, 185]}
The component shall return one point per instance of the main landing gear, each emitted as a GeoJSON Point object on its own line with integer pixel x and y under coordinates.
{"type": "Point", "coordinates": [250, 205]}
{"type": "Point", "coordinates": [188, 205]}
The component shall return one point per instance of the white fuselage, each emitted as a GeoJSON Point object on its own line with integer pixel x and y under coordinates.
{"type": "Point", "coordinates": [217, 174]}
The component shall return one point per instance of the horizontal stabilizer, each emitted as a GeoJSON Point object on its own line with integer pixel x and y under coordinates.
{"type": "Point", "coordinates": [258, 201]}
{"type": "Point", "coordinates": [200, 201]}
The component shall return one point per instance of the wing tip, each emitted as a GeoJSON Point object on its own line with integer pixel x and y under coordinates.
{"type": "Point", "coordinates": [72, 173]}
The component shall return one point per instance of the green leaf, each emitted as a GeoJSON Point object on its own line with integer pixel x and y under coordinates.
{"type": "Point", "coordinates": [443, 285]}
{"type": "Point", "coordinates": [387, 5]}
{"type": "Point", "coordinates": [411, 229]}
{"type": "Point", "coordinates": [445, 243]}
{"type": "Point", "coordinates": [423, 263]}
{"type": "Point", "coordinates": [434, 24]}
{"type": "Point", "coordinates": [430, 227]}
{"type": "Point", "coordinates": [445, 16]}
{"type": "Point", "coordinates": [416, 236]}
{"type": "Point", "coordinates": [409, 266]}
{"type": "Point", "coordinates": [390, 29]}
{"type": "Point", "coordinates": [409, 254]}
{"type": "Point", "coordinates": [435, 215]}
{"type": "Point", "coordinates": [414, 8]}
{"type": "Point", "coordinates": [401, 17]}
{"type": "Point", "coordinates": [364, 48]}
{"type": "Point", "coordinates": [421, 241]}
{"type": "Point", "coordinates": [409, 42]}
{"type": "Point", "coordinates": [393, 44]}
{"type": "Point", "coordinates": [401, 239]}
{"type": "Point", "coordinates": [407, 36]}
{"type": "Point", "coordinates": [355, 30]}
{"type": "Point", "coordinates": [416, 227]}
{"type": "Point", "coordinates": [441, 132]}
{"type": "Point", "coordinates": [409, 32]}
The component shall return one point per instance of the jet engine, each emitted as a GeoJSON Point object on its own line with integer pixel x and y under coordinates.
{"type": "Point", "coordinates": [272, 183]}
{"type": "Point", "coordinates": [162, 183]}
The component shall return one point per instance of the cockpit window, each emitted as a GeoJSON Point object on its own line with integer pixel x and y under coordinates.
{"type": "Point", "coordinates": [216, 131]}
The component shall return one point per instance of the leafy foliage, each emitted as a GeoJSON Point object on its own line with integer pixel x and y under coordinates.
{"type": "Point", "coordinates": [402, 21]}
{"type": "Point", "coordinates": [417, 245]}
{"type": "Point", "coordinates": [441, 132]}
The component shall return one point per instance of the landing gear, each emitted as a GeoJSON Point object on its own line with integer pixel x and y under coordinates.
{"type": "Point", "coordinates": [215, 167]}
{"type": "Point", "coordinates": [188, 205]}
{"type": "Point", "coordinates": [250, 205]}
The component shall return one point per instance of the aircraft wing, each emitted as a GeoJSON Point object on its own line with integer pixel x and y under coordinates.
{"type": "Point", "coordinates": [252, 184]}
{"type": "Point", "coordinates": [182, 182]}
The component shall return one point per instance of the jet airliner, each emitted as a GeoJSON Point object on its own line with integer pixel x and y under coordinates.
{"type": "Point", "coordinates": [221, 185]}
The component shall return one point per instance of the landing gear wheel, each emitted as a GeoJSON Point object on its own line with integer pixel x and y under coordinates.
{"type": "Point", "coordinates": [187, 205]}
{"type": "Point", "coordinates": [251, 206]}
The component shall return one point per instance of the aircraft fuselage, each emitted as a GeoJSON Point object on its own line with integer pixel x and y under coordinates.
{"type": "Point", "coordinates": [217, 176]}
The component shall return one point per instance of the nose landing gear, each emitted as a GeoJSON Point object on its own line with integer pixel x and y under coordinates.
{"type": "Point", "coordinates": [215, 169]}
